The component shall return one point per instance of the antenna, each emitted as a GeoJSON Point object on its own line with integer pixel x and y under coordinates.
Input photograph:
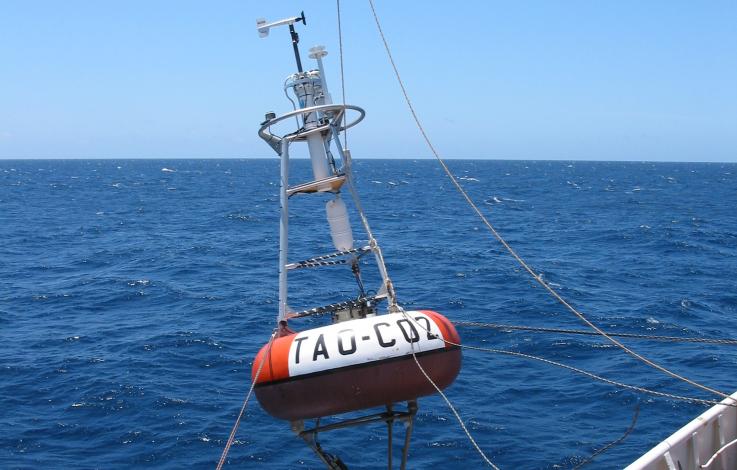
{"type": "Point", "coordinates": [263, 31]}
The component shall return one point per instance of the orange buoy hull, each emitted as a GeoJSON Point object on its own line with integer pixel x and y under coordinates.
{"type": "Point", "coordinates": [356, 364]}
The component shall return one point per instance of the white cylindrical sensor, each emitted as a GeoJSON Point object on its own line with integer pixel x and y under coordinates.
{"type": "Point", "coordinates": [340, 225]}
{"type": "Point", "coordinates": [318, 157]}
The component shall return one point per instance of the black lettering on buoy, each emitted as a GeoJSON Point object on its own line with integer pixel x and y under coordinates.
{"type": "Point", "coordinates": [340, 343]}
{"type": "Point", "coordinates": [382, 343]}
{"type": "Point", "coordinates": [296, 351]}
{"type": "Point", "coordinates": [415, 335]}
{"type": "Point", "coordinates": [320, 348]}
{"type": "Point", "coordinates": [431, 336]}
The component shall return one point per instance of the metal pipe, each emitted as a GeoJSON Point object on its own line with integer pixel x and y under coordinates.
{"type": "Point", "coordinates": [389, 437]}
{"type": "Point", "coordinates": [412, 411]}
{"type": "Point", "coordinates": [283, 230]}
{"type": "Point", "coordinates": [295, 41]}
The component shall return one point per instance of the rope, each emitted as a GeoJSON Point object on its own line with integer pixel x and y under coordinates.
{"type": "Point", "coordinates": [598, 377]}
{"type": "Point", "coordinates": [447, 402]}
{"type": "Point", "coordinates": [613, 443]}
{"type": "Point", "coordinates": [507, 246]}
{"type": "Point", "coordinates": [593, 333]}
{"type": "Point", "coordinates": [580, 371]}
{"type": "Point", "coordinates": [243, 408]}
{"type": "Point", "coordinates": [342, 76]}
{"type": "Point", "coordinates": [718, 453]}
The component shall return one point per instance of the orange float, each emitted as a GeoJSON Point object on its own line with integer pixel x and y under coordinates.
{"type": "Point", "coordinates": [356, 364]}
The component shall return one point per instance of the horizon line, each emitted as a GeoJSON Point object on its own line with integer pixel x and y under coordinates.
{"type": "Point", "coordinates": [372, 158]}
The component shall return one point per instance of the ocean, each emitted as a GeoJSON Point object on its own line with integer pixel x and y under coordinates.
{"type": "Point", "coordinates": [134, 295]}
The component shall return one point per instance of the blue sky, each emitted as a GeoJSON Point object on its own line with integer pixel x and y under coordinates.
{"type": "Point", "coordinates": [546, 79]}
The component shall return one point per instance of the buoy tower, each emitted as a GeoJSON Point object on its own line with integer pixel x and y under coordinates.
{"type": "Point", "coordinates": [363, 358]}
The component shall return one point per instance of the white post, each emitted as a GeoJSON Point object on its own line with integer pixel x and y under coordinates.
{"type": "Point", "coordinates": [283, 230]}
{"type": "Point", "coordinates": [315, 142]}
{"type": "Point", "coordinates": [327, 99]}
{"type": "Point", "coordinates": [317, 53]}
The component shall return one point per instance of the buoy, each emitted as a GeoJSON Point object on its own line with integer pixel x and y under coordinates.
{"type": "Point", "coordinates": [365, 358]}
{"type": "Point", "coordinates": [356, 364]}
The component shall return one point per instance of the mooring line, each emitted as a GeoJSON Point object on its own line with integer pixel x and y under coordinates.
{"type": "Point", "coordinates": [447, 401]}
{"type": "Point", "coordinates": [342, 75]}
{"type": "Point", "coordinates": [506, 245]}
{"type": "Point", "coordinates": [538, 329]}
{"type": "Point", "coordinates": [577, 370]}
{"type": "Point", "coordinates": [237, 423]}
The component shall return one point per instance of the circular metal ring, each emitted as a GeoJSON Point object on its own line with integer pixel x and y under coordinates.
{"type": "Point", "coordinates": [321, 108]}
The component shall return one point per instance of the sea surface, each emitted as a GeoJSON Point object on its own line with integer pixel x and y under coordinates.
{"type": "Point", "coordinates": [135, 293]}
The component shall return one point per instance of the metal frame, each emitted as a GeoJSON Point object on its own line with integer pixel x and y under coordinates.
{"type": "Point", "coordinates": [333, 462]}
{"type": "Point", "coordinates": [332, 115]}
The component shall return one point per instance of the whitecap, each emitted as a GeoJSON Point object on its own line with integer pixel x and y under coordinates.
{"type": "Point", "coordinates": [168, 170]}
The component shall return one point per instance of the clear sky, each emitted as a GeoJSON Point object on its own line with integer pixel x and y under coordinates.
{"type": "Point", "coordinates": [544, 79]}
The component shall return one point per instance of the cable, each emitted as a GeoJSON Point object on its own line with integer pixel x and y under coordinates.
{"type": "Point", "coordinates": [342, 76]}
{"type": "Point", "coordinates": [243, 408]}
{"type": "Point", "coordinates": [536, 329]}
{"type": "Point", "coordinates": [504, 242]}
{"type": "Point", "coordinates": [447, 402]}
{"type": "Point", "coordinates": [577, 370]}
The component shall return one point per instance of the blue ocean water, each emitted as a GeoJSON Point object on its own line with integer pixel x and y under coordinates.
{"type": "Point", "coordinates": [134, 294]}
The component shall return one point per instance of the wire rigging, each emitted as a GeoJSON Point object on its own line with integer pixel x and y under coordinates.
{"type": "Point", "coordinates": [539, 329]}
{"type": "Point", "coordinates": [579, 371]}
{"type": "Point", "coordinates": [342, 75]}
{"type": "Point", "coordinates": [447, 401]}
{"type": "Point", "coordinates": [506, 245]}
{"type": "Point", "coordinates": [245, 404]}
